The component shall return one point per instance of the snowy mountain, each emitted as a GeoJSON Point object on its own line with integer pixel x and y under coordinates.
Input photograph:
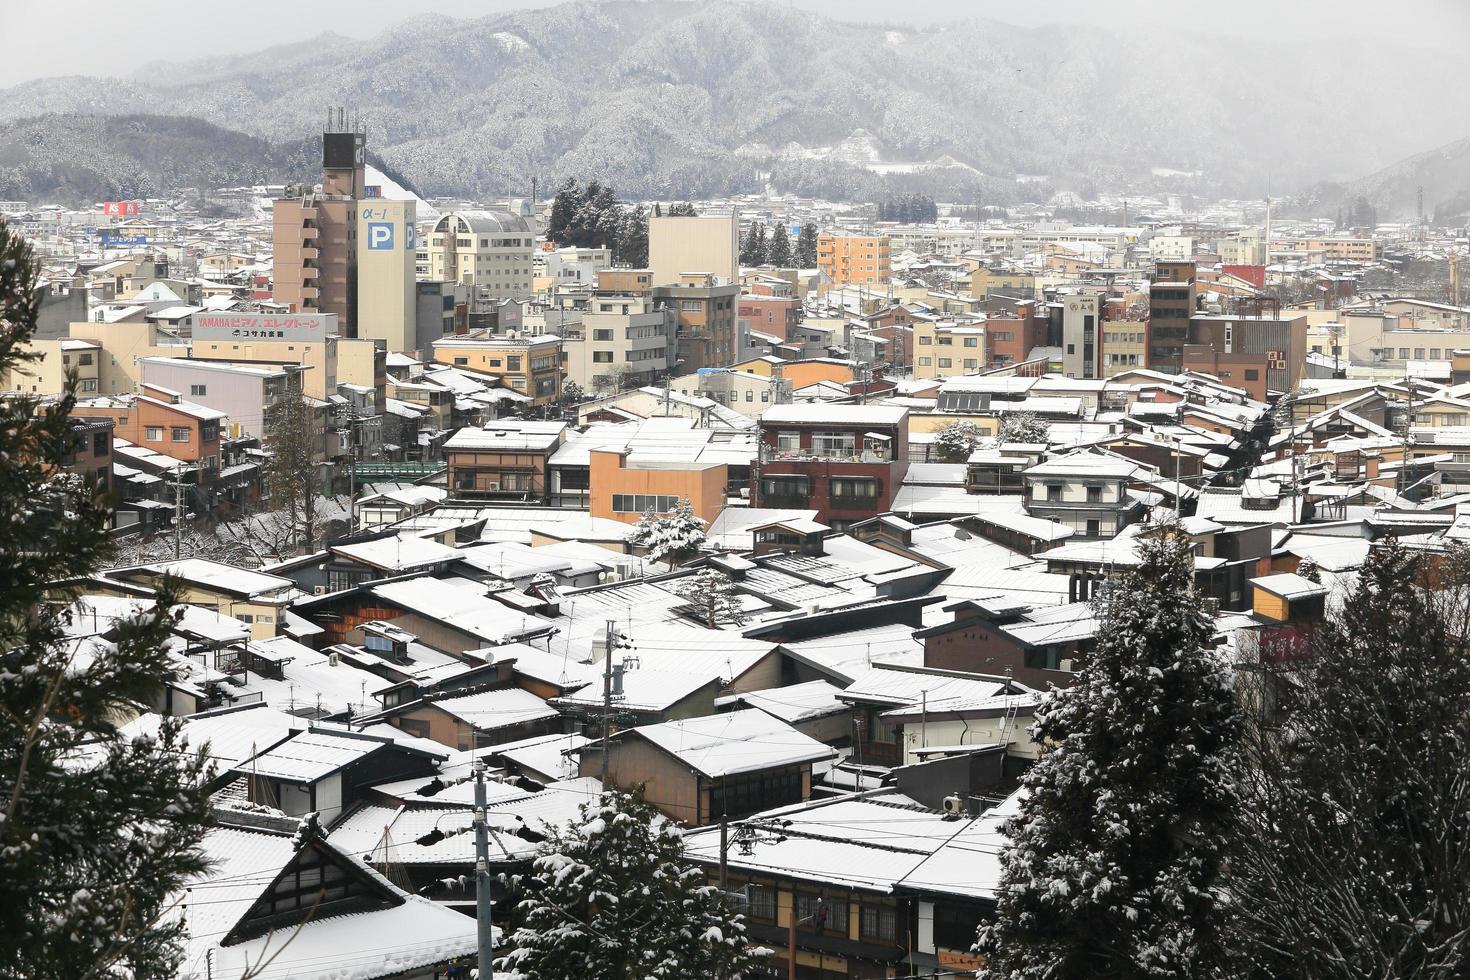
{"type": "Point", "coordinates": [673, 99]}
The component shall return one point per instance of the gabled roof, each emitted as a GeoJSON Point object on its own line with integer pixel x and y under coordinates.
{"type": "Point", "coordinates": [742, 741]}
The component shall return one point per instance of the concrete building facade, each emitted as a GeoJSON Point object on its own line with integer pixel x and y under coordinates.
{"type": "Point", "coordinates": [491, 249]}
{"type": "Point", "coordinates": [679, 246]}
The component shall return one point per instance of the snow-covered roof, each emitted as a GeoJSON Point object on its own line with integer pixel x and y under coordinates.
{"type": "Point", "coordinates": [738, 741]}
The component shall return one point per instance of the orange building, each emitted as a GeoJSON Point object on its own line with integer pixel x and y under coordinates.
{"type": "Point", "coordinates": [854, 260]}
{"type": "Point", "coordinates": [624, 491]}
{"type": "Point", "coordinates": [801, 373]}
{"type": "Point", "coordinates": [163, 421]}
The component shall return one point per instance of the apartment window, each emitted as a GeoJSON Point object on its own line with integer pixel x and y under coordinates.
{"type": "Point", "coordinates": [785, 488]}
{"type": "Point", "coordinates": [1053, 491]}
{"type": "Point", "coordinates": [180, 433]}
{"type": "Point", "coordinates": [946, 341]}
{"type": "Point", "coordinates": [1403, 353]}
{"type": "Point", "coordinates": [153, 433]}
{"type": "Point", "coordinates": [1418, 353]}
{"type": "Point", "coordinates": [945, 362]}
{"type": "Point", "coordinates": [765, 396]}
{"type": "Point", "coordinates": [691, 305]}
{"type": "Point", "coordinates": [84, 359]}
{"type": "Point", "coordinates": [602, 335]}
{"type": "Point", "coordinates": [461, 361]}
{"type": "Point", "coordinates": [925, 361]}
{"type": "Point", "coordinates": [87, 385]}
{"type": "Point", "coordinates": [642, 503]}
{"type": "Point", "coordinates": [602, 357]}
{"type": "Point", "coordinates": [925, 341]}
{"type": "Point", "coordinates": [788, 442]}
{"type": "Point", "coordinates": [1433, 353]}
{"type": "Point", "coordinates": [198, 391]}
{"type": "Point", "coordinates": [1094, 495]}
{"type": "Point", "coordinates": [1252, 374]}
{"type": "Point", "coordinates": [833, 443]}
{"type": "Point", "coordinates": [1071, 348]}
{"type": "Point", "coordinates": [513, 362]}
{"type": "Point", "coordinates": [972, 341]}
{"type": "Point", "coordinates": [970, 364]}
{"type": "Point", "coordinates": [853, 491]}
{"type": "Point", "coordinates": [749, 395]}
{"type": "Point", "coordinates": [99, 444]}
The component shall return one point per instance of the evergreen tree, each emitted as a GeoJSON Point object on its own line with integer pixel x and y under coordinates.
{"type": "Point", "coordinates": [753, 251]}
{"type": "Point", "coordinates": [611, 898]}
{"type": "Point", "coordinates": [291, 473]}
{"type": "Point", "coordinates": [955, 442]}
{"type": "Point", "coordinates": [778, 249]}
{"type": "Point", "coordinates": [667, 537]}
{"type": "Point", "coordinates": [1023, 427]}
{"type": "Point", "coordinates": [1354, 852]}
{"type": "Point", "coordinates": [806, 247]}
{"type": "Point", "coordinates": [571, 393]}
{"type": "Point", "coordinates": [633, 238]}
{"type": "Point", "coordinates": [564, 208]}
{"type": "Point", "coordinates": [1309, 570]}
{"type": "Point", "coordinates": [658, 210]}
{"type": "Point", "coordinates": [1117, 849]}
{"type": "Point", "coordinates": [98, 831]}
{"type": "Point", "coordinates": [685, 210]}
{"type": "Point", "coordinates": [714, 597]}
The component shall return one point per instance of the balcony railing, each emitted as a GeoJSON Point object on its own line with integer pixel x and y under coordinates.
{"type": "Point", "coordinates": [772, 455]}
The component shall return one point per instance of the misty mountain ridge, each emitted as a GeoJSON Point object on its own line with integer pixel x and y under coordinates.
{"type": "Point", "coordinates": [674, 99]}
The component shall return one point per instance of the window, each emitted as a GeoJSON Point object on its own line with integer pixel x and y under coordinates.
{"type": "Point", "coordinates": [1053, 491]}
{"type": "Point", "coordinates": [461, 361]}
{"type": "Point", "coordinates": [84, 359]}
{"type": "Point", "coordinates": [762, 902]}
{"type": "Point", "coordinates": [853, 492]}
{"type": "Point", "coordinates": [602, 357]}
{"type": "Point", "coordinates": [972, 341]}
{"type": "Point", "coordinates": [602, 335]}
{"type": "Point", "coordinates": [749, 395]}
{"type": "Point", "coordinates": [1403, 353]}
{"type": "Point", "coordinates": [825, 914]}
{"type": "Point", "coordinates": [198, 390]}
{"type": "Point", "coordinates": [784, 488]}
{"type": "Point", "coordinates": [925, 361]}
{"type": "Point", "coordinates": [87, 384]}
{"type": "Point", "coordinates": [765, 395]}
{"type": "Point", "coordinates": [925, 341]}
{"type": "Point", "coordinates": [1418, 353]}
{"type": "Point", "coordinates": [955, 926]}
{"type": "Point", "coordinates": [513, 362]}
{"type": "Point", "coordinates": [153, 433]}
{"type": "Point", "coordinates": [1071, 348]}
{"type": "Point", "coordinates": [99, 444]}
{"type": "Point", "coordinates": [641, 503]}
{"type": "Point", "coordinates": [1094, 495]}
{"type": "Point", "coordinates": [945, 362]}
{"type": "Point", "coordinates": [878, 923]}
{"type": "Point", "coordinates": [1433, 353]}
{"type": "Point", "coordinates": [833, 443]}
{"type": "Point", "coordinates": [946, 341]}
{"type": "Point", "coordinates": [970, 364]}
{"type": "Point", "coordinates": [788, 442]}
{"type": "Point", "coordinates": [691, 305]}
{"type": "Point", "coordinates": [1252, 374]}
{"type": "Point", "coordinates": [181, 433]}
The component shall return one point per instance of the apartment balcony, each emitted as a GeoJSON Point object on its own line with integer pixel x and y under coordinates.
{"type": "Point", "coordinates": [310, 254]}
{"type": "Point", "coordinates": [310, 234]}
{"type": "Point", "coordinates": [811, 455]}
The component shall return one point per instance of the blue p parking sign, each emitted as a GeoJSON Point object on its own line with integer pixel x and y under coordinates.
{"type": "Point", "coordinates": [380, 234]}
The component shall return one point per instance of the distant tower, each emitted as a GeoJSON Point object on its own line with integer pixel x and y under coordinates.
{"type": "Point", "coordinates": [315, 235]}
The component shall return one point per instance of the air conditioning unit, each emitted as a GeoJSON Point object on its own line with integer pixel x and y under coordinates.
{"type": "Point", "coordinates": [1066, 665]}
{"type": "Point", "coordinates": [494, 487]}
{"type": "Point", "coordinates": [319, 590]}
{"type": "Point", "coordinates": [333, 660]}
{"type": "Point", "coordinates": [954, 805]}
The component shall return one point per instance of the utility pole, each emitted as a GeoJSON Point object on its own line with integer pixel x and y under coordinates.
{"type": "Point", "coordinates": [178, 512]}
{"type": "Point", "coordinates": [607, 696]}
{"type": "Point", "coordinates": [724, 850]}
{"type": "Point", "coordinates": [483, 931]}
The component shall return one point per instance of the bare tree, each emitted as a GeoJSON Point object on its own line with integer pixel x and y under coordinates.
{"type": "Point", "coordinates": [291, 473]}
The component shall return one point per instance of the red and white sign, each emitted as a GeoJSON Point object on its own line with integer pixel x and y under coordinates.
{"type": "Point", "coordinates": [120, 209]}
{"type": "Point", "coordinates": [264, 326]}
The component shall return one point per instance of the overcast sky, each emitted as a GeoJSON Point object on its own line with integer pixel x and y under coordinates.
{"type": "Point", "coordinates": [102, 37]}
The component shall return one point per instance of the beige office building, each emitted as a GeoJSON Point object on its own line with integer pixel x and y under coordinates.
{"type": "Point", "coordinates": [687, 246]}
{"type": "Point", "coordinates": [387, 298]}
{"type": "Point", "coordinates": [622, 342]}
{"type": "Point", "coordinates": [491, 249]}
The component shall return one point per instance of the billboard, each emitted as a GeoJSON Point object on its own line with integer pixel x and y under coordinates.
{"type": "Point", "coordinates": [110, 240]}
{"type": "Point", "coordinates": [264, 326]}
{"type": "Point", "coordinates": [120, 209]}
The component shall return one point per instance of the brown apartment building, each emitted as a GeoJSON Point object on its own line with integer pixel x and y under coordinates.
{"type": "Point", "coordinates": [706, 324]}
{"type": "Point", "coordinates": [527, 365]}
{"type": "Point", "coordinates": [160, 419]}
{"type": "Point", "coordinates": [314, 236]}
